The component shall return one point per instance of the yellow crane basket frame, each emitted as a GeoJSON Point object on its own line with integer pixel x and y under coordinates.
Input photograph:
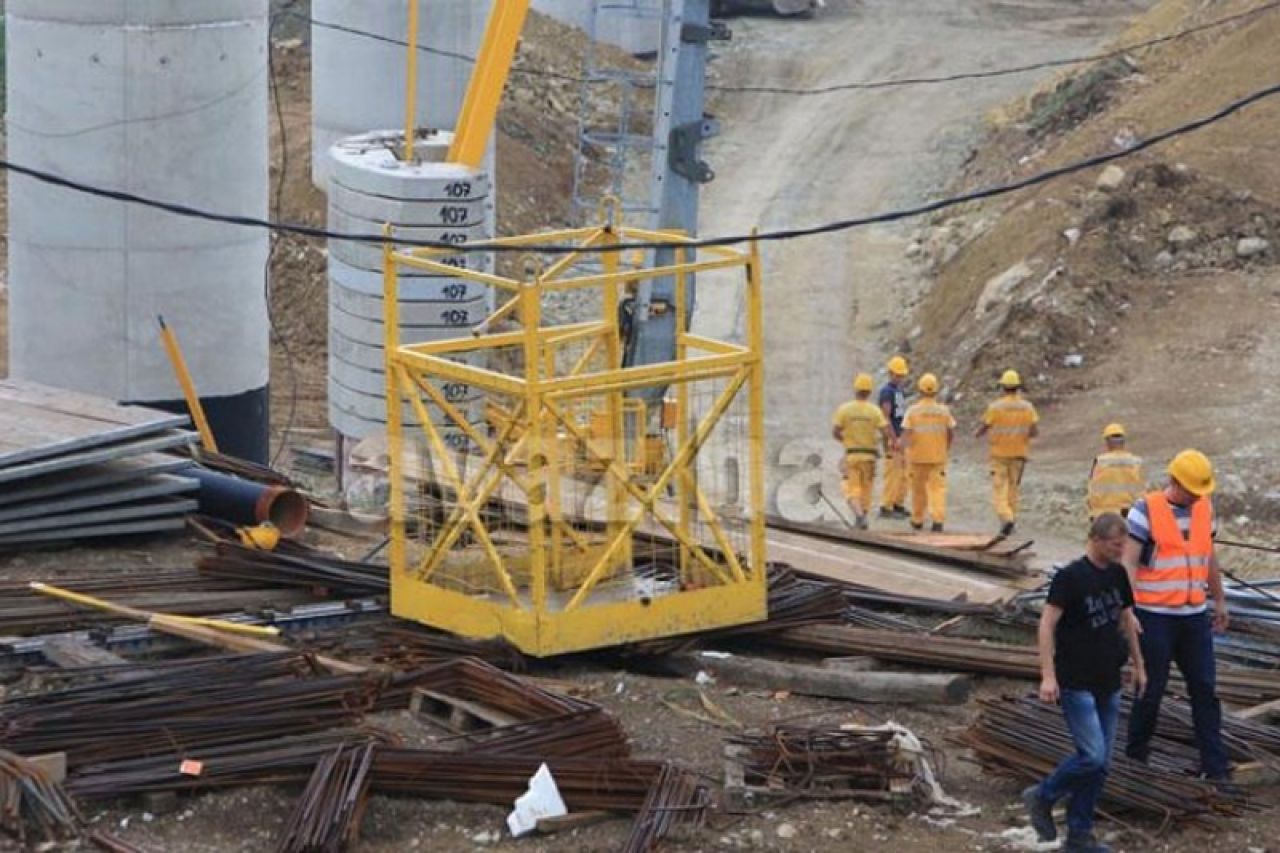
{"type": "Point", "coordinates": [551, 598]}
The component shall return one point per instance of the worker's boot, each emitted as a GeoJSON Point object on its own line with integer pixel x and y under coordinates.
{"type": "Point", "coordinates": [1040, 813]}
{"type": "Point", "coordinates": [886, 512]}
{"type": "Point", "coordinates": [937, 527]}
{"type": "Point", "coordinates": [1006, 529]}
{"type": "Point", "coordinates": [901, 511]}
{"type": "Point", "coordinates": [917, 525]}
{"type": "Point", "coordinates": [862, 522]}
{"type": "Point", "coordinates": [1084, 842]}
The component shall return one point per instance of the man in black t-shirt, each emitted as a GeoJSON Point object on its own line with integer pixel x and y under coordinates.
{"type": "Point", "coordinates": [1087, 632]}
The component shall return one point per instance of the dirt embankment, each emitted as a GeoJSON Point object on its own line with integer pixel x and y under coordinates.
{"type": "Point", "coordinates": [1144, 293]}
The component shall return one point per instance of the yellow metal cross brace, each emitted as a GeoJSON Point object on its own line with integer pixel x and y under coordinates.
{"type": "Point", "coordinates": [493, 64]}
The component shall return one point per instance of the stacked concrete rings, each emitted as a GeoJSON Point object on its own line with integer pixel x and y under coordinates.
{"type": "Point", "coordinates": [369, 187]}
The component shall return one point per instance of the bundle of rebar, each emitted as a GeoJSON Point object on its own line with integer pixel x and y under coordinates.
{"type": "Point", "coordinates": [203, 703]}
{"type": "Point", "coordinates": [542, 722]}
{"type": "Point", "coordinates": [293, 564]}
{"type": "Point", "coordinates": [1026, 738]}
{"type": "Point", "coordinates": [33, 808]}
{"type": "Point", "coordinates": [821, 762]}
{"type": "Point", "coordinates": [586, 784]}
{"type": "Point", "coordinates": [677, 799]}
{"type": "Point", "coordinates": [1246, 686]}
{"type": "Point", "coordinates": [248, 762]}
{"type": "Point", "coordinates": [327, 816]}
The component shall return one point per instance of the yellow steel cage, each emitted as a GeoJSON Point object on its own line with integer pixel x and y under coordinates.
{"type": "Point", "coordinates": [551, 524]}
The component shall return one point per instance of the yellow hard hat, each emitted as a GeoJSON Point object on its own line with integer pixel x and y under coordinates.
{"type": "Point", "coordinates": [863, 382]}
{"type": "Point", "coordinates": [1193, 471]}
{"type": "Point", "coordinates": [928, 384]}
{"type": "Point", "coordinates": [1011, 379]}
{"type": "Point", "coordinates": [898, 366]}
{"type": "Point", "coordinates": [1113, 431]}
{"type": "Point", "coordinates": [262, 537]}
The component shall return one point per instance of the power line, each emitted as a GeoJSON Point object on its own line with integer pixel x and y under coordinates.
{"type": "Point", "coordinates": [869, 85]}
{"type": "Point", "coordinates": [770, 236]}
{"type": "Point", "coordinates": [865, 85]}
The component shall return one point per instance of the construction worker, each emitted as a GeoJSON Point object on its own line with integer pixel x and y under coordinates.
{"type": "Point", "coordinates": [1174, 572]}
{"type": "Point", "coordinates": [893, 402]}
{"type": "Point", "coordinates": [1115, 480]}
{"type": "Point", "coordinates": [927, 432]}
{"type": "Point", "coordinates": [1011, 422]}
{"type": "Point", "coordinates": [861, 427]}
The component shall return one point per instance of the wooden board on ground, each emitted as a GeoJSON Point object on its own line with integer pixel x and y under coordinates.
{"type": "Point", "coordinates": [1005, 558]}
{"type": "Point", "coordinates": [898, 574]}
{"type": "Point", "coordinates": [40, 422]}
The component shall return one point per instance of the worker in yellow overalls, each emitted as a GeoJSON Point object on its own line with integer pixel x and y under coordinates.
{"type": "Point", "coordinates": [861, 428]}
{"type": "Point", "coordinates": [893, 402]}
{"type": "Point", "coordinates": [927, 432]}
{"type": "Point", "coordinates": [1115, 480]}
{"type": "Point", "coordinates": [1011, 422]}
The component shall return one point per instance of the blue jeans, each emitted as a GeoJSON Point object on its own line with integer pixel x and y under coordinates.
{"type": "Point", "coordinates": [1091, 718]}
{"type": "Point", "coordinates": [1188, 642]}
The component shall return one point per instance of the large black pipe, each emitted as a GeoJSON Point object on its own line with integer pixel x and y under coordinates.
{"type": "Point", "coordinates": [244, 502]}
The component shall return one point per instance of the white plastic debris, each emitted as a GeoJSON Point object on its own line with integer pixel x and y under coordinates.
{"type": "Point", "coordinates": [541, 800]}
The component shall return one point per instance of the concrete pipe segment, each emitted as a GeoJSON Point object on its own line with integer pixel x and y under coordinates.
{"type": "Point", "coordinates": [166, 99]}
{"type": "Point", "coordinates": [428, 199]}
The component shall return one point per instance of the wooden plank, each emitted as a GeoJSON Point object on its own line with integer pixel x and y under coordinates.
{"type": "Point", "coordinates": [1002, 562]}
{"type": "Point", "coordinates": [96, 531]}
{"type": "Point", "coordinates": [87, 478]}
{"type": "Point", "coordinates": [133, 447]}
{"type": "Point", "coordinates": [155, 487]}
{"type": "Point", "coordinates": [40, 422]}
{"type": "Point", "coordinates": [900, 575]}
{"type": "Point", "coordinates": [70, 653]}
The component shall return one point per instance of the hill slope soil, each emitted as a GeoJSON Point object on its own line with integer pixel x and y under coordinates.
{"type": "Point", "coordinates": [1145, 293]}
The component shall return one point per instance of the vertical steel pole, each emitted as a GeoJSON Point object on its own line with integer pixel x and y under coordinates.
{"type": "Point", "coordinates": [531, 317]}
{"type": "Point", "coordinates": [755, 429]}
{"type": "Point", "coordinates": [411, 82]}
{"type": "Point", "coordinates": [395, 436]}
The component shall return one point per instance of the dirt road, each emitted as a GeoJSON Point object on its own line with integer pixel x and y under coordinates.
{"type": "Point", "coordinates": [784, 160]}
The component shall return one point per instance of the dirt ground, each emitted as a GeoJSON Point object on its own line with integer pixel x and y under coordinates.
{"type": "Point", "coordinates": [845, 302]}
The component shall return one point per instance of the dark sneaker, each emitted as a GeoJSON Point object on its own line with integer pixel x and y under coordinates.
{"type": "Point", "coordinates": [1040, 813]}
{"type": "Point", "coordinates": [1225, 786]}
{"type": "Point", "coordinates": [1006, 529]}
{"type": "Point", "coordinates": [917, 525]}
{"type": "Point", "coordinates": [1142, 755]}
{"type": "Point", "coordinates": [862, 522]}
{"type": "Point", "coordinates": [886, 512]}
{"type": "Point", "coordinates": [901, 512]}
{"type": "Point", "coordinates": [937, 527]}
{"type": "Point", "coordinates": [1084, 842]}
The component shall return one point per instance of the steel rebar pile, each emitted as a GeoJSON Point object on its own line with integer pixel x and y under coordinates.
{"type": "Point", "coordinates": [33, 808]}
{"type": "Point", "coordinates": [677, 799]}
{"type": "Point", "coordinates": [820, 762]}
{"type": "Point", "coordinates": [181, 591]}
{"type": "Point", "coordinates": [1245, 686]}
{"type": "Point", "coordinates": [249, 762]}
{"type": "Point", "coordinates": [544, 723]}
{"type": "Point", "coordinates": [224, 700]}
{"type": "Point", "coordinates": [327, 816]}
{"type": "Point", "coordinates": [293, 564]}
{"type": "Point", "coordinates": [586, 784]}
{"type": "Point", "coordinates": [1026, 738]}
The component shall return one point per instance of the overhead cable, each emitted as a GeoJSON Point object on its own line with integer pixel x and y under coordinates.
{"type": "Point", "coordinates": [768, 236]}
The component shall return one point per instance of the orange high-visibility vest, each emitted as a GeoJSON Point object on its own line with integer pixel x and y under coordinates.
{"type": "Point", "coordinates": [1116, 483]}
{"type": "Point", "coordinates": [1177, 575]}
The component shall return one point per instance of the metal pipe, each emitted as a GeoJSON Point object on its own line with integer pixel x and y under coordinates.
{"type": "Point", "coordinates": [244, 502]}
